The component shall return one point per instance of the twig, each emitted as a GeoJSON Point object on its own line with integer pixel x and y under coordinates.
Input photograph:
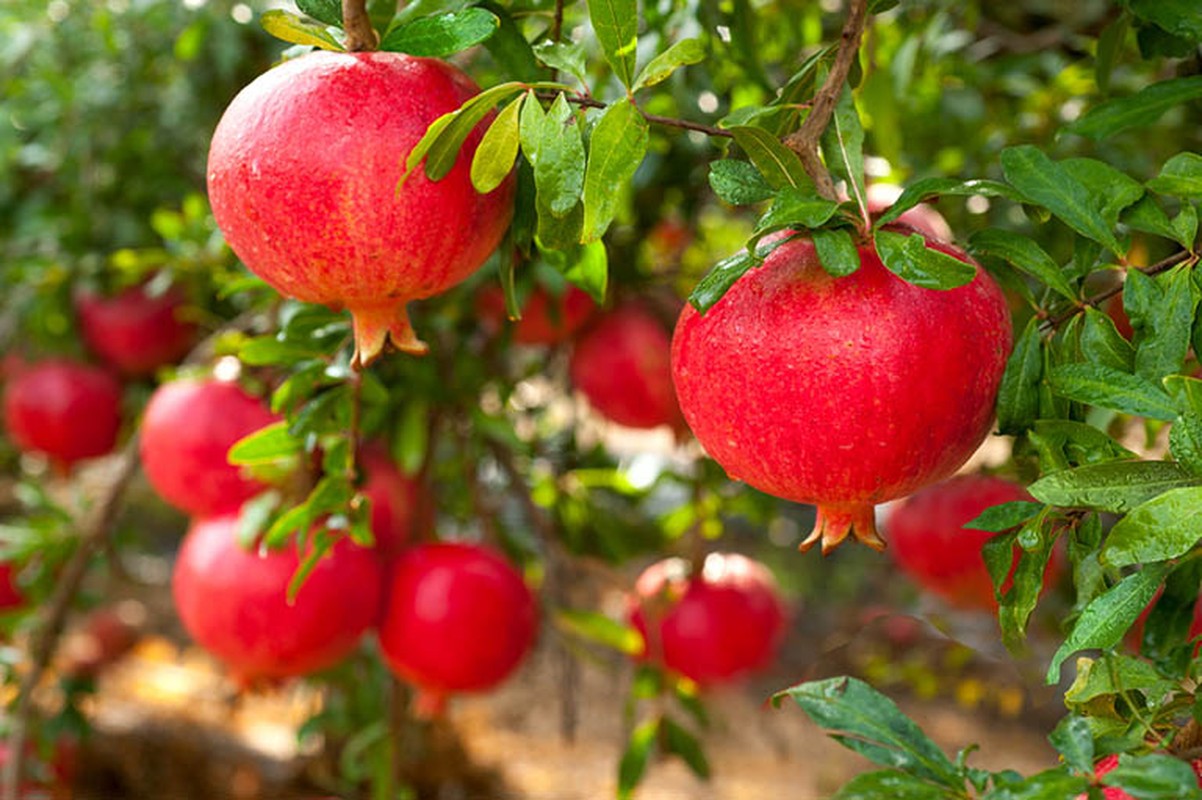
{"type": "Point", "coordinates": [1164, 265]}
{"type": "Point", "coordinates": [360, 35]}
{"type": "Point", "coordinates": [804, 141]}
{"type": "Point", "coordinates": [672, 122]}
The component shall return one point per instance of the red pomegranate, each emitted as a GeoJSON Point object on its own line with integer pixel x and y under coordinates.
{"type": "Point", "coordinates": [304, 178]}
{"type": "Point", "coordinates": [1108, 763]}
{"type": "Point", "coordinates": [458, 618]}
{"type": "Point", "coordinates": [66, 410]}
{"type": "Point", "coordinates": [394, 500]}
{"type": "Point", "coordinates": [234, 602]}
{"type": "Point", "coordinates": [841, 392]}
{"type": "Point", "coordinates": [546, 318]}
{"type": "Point", "coordinates": [713, 627]}
{"type": "Point", "coordinates": [622, 365]}
{"type": "Point", "coordinates": [922, 217]}
{"type": "Point", "coordinates": [187, 432]}
{"type": "Point", "coordinates": [930, 543]}
{"type": "Point", "coordinates": [10, 593]}
{"type": "Point", "coordinates": [134, 331]}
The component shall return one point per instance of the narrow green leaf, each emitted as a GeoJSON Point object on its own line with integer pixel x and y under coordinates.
{"type": "Point", "coordinates": [889, 783]}
{"type": "Point", "coordinates": [796, 208]}
{"type": "Point", "coordinates": [295, 29]}
{"type": "Point", "coordinates": [1163, 347]}
{"type": "Point", "coordinates": [254, 516]}
{"type": "Point", "coordinates": [616, 24]}
{"type": "Point", "coordinates": [327, 11]}
{"type": "Point", "coordinates": [268, 351]}
{"type": "Point", "coordinates": [682, 53]}
{"type": "Point", "coordinates": [636, 756]}
{"type": "Point", "coordinates": [1046, 183]}
{"type": "Point", "coordinates": [1181, 175]}
{"type": "Point", "coordinates": [442, 35]}
{"type": "Point", "coordinates": [843, 147]}
{"type": "Point", "coordinates": [779, 165]}
{"type": "Point", "coordinates": [1185, 226]}
{"type": "Point", "coordinates": [1118, 486]}
{"type": "Point", "coordinates": [1004, 516]}
{"type": "Point", "coordinates": [412, 437]}
{"type": "Point", "coordinates": [1166, 526]}
{"type": "Point", "coordinates": [1110, 44]}
{"type": "Point", "coordinates": [1105, 620]}
{"type": "Point", "coordinates": [1073, 740]}
{"type": "Point", "coordinates": [1109, 388]}
{"type": "Point", "coordinates": [1051, 784]}
{"type": "Point", "coordinates": [1101, 343]}
{"type": "Point", "coordinates": [498, 149]}
{"type": "Point", "coordinates": [616, 149]}
{"type": "Point", "coordinates": [723, 275]}
{"type": "Point", "coordinates": [837, 251]}
{"type": "Point", "coordinates": [440, 144]}
{"type": "Point", "coordinates": [679, 741]}
{"type": "Point", "coordinates": [909, 258]}
{"type": "Point", "coordinates": [738, 182]}
{"type": "Point", "coordinates": [596, 627]}
{"type": "Point", "coordinates": [265, 445]}
{"type": "Point", "coordinates": [1018, 394]}
{"type": "Point", "coordinates": [1036, 539]}
{"type": "Point", "coordinates": [929, 188]}
{"type": "Point", "coordinates": [1138, 110]}
{"type": "Point", "coordinates": [1185, 443]}
{"type": "Point", "coordinates": [1023, 254]}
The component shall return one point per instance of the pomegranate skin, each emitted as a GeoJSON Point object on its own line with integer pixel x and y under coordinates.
{"type": "Point", "coordinates": [64, 409]}
{"type": "Point", "coordinates": [841, 392]}
{"type": "Point", "coordinates": [458, 618]}
{"type": "Point", "coordinates": [394, 500]}
{"type": "Point", "coordinates": [546, 319]}
{"type": "Point", "coordinates": [303, 177]}
{"type": "Point", "coordinates": [622, 365]}
{"type": "Point", "coordinates": [187, 431]}
{"type": "Point", "coordinates": [233, 602]}
{"type": "Point", "coordinates": [712, 628]}
{"type": "Point", "coordinates": [10, 594]}
{"type": "Point", "coordinates": [134, 332]}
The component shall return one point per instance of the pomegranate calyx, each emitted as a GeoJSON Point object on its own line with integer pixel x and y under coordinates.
{"type": "Point", "coordinates": [834, 523]}
{"type": "Point", "coordinates": [375, 326]}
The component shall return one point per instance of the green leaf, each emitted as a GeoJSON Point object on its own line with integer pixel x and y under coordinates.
{"type": "Point", "coordinates": [889, 783]}
{"type": "Point", "coordinates": [265, 445]}
{"type": "Point", "coordinates": [1101, 343]}
{"type": "Point", "coordinates": [1076, 443]}
{"type": "Point", "coordinates": [866, 721]}
{"type": "Point", "coordinates": [560, 161]}
{"type": "Point", "coordinates": [1073, 740]}
{"type": "Point", "coordinates": [779, 165]}
{"type": "Point", "coordinates": [1147, 215]}
{"type": "Point", "coordinates": [1181, 176]}
{"type": "Point", "coordinates": [1185, 226]}
{"type": "Point", "coordinates": [910, 259]}
{"type": "Point", "coordinates": [1109, 388]}
{"type": "Point", "coordinates": [1004, 516]}
{"type": "Point", "coordinates": [295, 29]}
{"type": "Point", "coordinates": [509, 48]}
{"type": "Point", "coordinates": [1164, 527]}
{"type": "Point", "coordinates": [837, 251]}
{"type": "Point", "coordinates": [412, 437]}
{"type": "Point", "coordinates": [440, 144]}
{"type": "Point", "coordinates": [591, 271]}
{"type": "Point", "coordinates": [498, 149]}
{"type": "Point", "coordinates": [929, 188]}
{"type": "Point", "coordinates": [566, 57]}
{"type": "Point", "coordinates": [796, 208]}
{"type": "Point", "coordinates": [442, 35]}
{"type": "Point", "coordinates": [1051, 784]}
{"type": "Point", "coordinates": [1154, 777]}
{"type": "Point", "coordinates": [679, 741]}
{"type": "Point", "coordinates": [616, 24]}
{"type": "Point", "coordinates": [738, 182]}
{"type": "Point", "coordinates": [1106, 619]}
{"type": "Point", "coordinates": [596, 627]}
{"type": "Point", "coordinates": [1138, 110]}
{"type": "Point", "coordinates": [1162, 348]}
{"type": "Point", "coordinates": [1112, 674]}
{"type": "Point", "coordinates": [616, 148]}
{"type": "Point", "coordinates": [1111, 189]}
{"type": "Point", "coordinates": [635, 758]}
{"type": "Point", "coordinates": [327, 11]}
{"type": "Point", "coordinates": [843, 147]}
{"type": "Point", "coordinates": [1185, 443]}
{"type": "Point", "coordinates": [1036, 539]}
{"type": "Point", "coordinates": [1117, 486]}
{"type": "Point", "coordinates": [723, 275]}
{"type": "Point", "coordinates": [1110, 44]}
{"type": "Point", "coordinates": [268, 350]}
{"type": "Point", "coordinates": [1178, 17]}
{"type": "Point", "coordinates": [1048, 184]}
{"type": "Point", "coordinates": [1023, 254]}
{"type": "Point", "coordinates": [1018, 394]}
{"type": "Point", "coordinates": [682, 53]}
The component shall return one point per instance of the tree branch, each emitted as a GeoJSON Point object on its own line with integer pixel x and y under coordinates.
{"type": "Point", "coordinates": [1163, 265]}
{"type": "Point", "coordinates": [804, 141]}
{"type": "Point", "coordinates": [360, 35]}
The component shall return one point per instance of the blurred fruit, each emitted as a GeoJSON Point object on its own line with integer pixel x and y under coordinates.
{"type": "Point", "coordinates": [102, 638]}
{"type": "Point", "coordinates": [10, 594]}
{"type": "Point", "coordinates": [134, 331]}
{"type": "Point", "coordinates": [546, 318]}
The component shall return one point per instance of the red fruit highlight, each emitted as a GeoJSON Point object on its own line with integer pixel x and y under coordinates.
{"type": "Point", "coordinates": [394, 500]}
{"type": "Point", "coordinates": [304, 178]}
{"type": "Point", "coordinates": [234, 602]}
{"type": "Point", "coordinates": [66, 410]}
{"type": "Point", "coordinates": [458, 618]}
{"type": "Point", "coordinates": [930, 543]}
{"type": "Point", "coordinates": [187, 431]}
{"type": "Point", "coordinates": [714, 627]}
{"type": "Point", "coordinates": [546, 318]}
{"type": "Point", "coordinates": [841, 392]}
{"type": "Point", "coordinates": [622, 364]}
{"type": "Point", "coordinates": [134, 331]}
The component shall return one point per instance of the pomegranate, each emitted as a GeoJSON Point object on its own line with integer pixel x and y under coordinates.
{"type": "Point", "coordinates": [10, 593]}
{"type": "Point", "coordinates": [1108, 763]}
{"type": "Point", "coordinates": [546, 318]}
{"type": "Point", "coordinates": [713, 627]}
{"type": "Point", "coordinates": [234, 602]}
{"type": "Point", "coordinates": [458, 618]}
{"type": "Point", "coordinates": [922, 217]}
{"type": "Point", "coordinates": [64, 409]}
{"type": "Point", "coordinates": [394, 500]}
{"type": "Point", "coordinates": [841, 392]}
{"type": "Point", "coordinates": [1118, 315]}
{"type": "Point", "coordinates": [932, 546]}
{"type": "Point", "coordinates": [187, 431]}
{"type": "Point", "coordinates": [304, 177]}
{"type": "Point", "coordinates": [622, 365]}
{"type": "Point", "coordinates": [134, 331]}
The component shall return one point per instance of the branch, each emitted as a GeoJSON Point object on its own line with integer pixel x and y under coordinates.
{"type": "Point", "coordinates": [360, 35]}
{"type": "Point", "coordinates": [672, 122]}
{"type": "Point", "coordinates": [804, 141]}
{"type": "Point", "coordinates": [1163, 265]}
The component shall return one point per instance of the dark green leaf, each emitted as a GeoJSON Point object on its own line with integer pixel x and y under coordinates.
{"type": "Point", "coordinates": [929, 188]}
{"type": "Point", "coordinates": [1101, 343]}
{"type": "Point", "coordinates": [1025, 255]}
{"type": "Point", "coordinates": [295, 29]}
{"type": "Point", "coordinates": [1073, 740]}
{"type": "Point", "coordinates": [910, 259]}
{"type": "Point", "coordinates": [560, 161]}
{"type": "Point", "coordinates": [1111, 674]}
{"type": "Point", "coordinates": [1112, 190]}
{"type": "Point", "coordinates": [1004, 516]}
{"type": "Point", "coordinates": [779, 165]}
{"type": "Point", "coordinates": [327, 11]}
{"type": "Point", "coordinates": [1109, 388]}
{"type": "Point", "coordinates": [616, 24]}
{"type": "Point", "coordinates": [1169, 624]}
{"type": "Point", "coordinates": [843, 147]}
{"type": "Point", "coordinates": [681, 742]}
{"type": "Point", "coordinates": [1154, 777]}
{"type": "Point", "coordinates": [1178, 17]}
{"type": "Point", "coordinates": [268, 444]}
{"type": "Point", "coordinates": [889, 783]}
{"type": "Point", "coordinates": [686, 51]}
{"type": "Point", "coordinates": [1118, 486]}
{"type": "Point", "coordinates": [1076, 443]}
{"type": "Point", "coordinates": [1156, 42]}
{"type": "Point", "coordinates": [1051, 784]}
{"type": "Point", "coordinates": [616, 148]}
{"type": "Point", "coordinates": [1147, 215]}
{"type": "Point", "coordinates": [1106, 619]}
{"type": "Point", "coordinates": [725, 273]}
{"type": "Point", "coordinates": [837, 251]}
{"type": "Point", "coordinates": [1181, 176]}
{"type": "Point", "coordinates": [597, 627]}
{"type": "Point", "coordinates": [635, 758]}
{"type": "Point", "coordinates": [498, 149]}
{"type": "Point", "coordinates": [1138, 110]}
{"type": "Point", "coordinates": [509, 47]}
{"type": "Point", "coordinates": [1018, 394]}
{"type": "Point", "coordinates": [1185, 226]}
{"type": "Point", "coordinates": [1164, 527]}
{"type": "Point", "coordinates": [738, 182]}
{"type": "Point", "coordinates": [1036, 540]}
{"type": "Point", "coordinates": [443, 34]}
{"type": "Point", "coordinates": [1110, 44]}
{"type": "Point", "coordinates": [1185, 442]}
{"type": "Point", "coordinates": [796, 208]}
{"type": "Point", "coordinates": [1162, 348]}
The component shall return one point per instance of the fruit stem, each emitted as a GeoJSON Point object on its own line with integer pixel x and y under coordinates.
{"type": "Point", "coordinates": [834, 523]}
{"type": "Point", "coordinates": [360, 35]}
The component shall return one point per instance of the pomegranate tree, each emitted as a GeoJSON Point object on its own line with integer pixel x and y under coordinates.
{"type": "Point", "coordinates": [304, 176]}
{"type": "Point", "coordinates": [711, 627]}
{"type": "Point", "coordinates": [841, 392]}
{"type": "Point", "coordinates": [546, 318]}
{"type": "Point", "coordinates": [394, 500]}
{"type": "Point", "coordinates": [187, 431]}
{"type": "Point", "coordinates": [234, 601]}
{"type": "Point", "coordinates": [622, 365]}
{"type": "Point", "coordinates": [457, 618]}
{"type": "Point", "coordinates": [65, 410]}
{"type": "Point", "coordinates": [135, 331]}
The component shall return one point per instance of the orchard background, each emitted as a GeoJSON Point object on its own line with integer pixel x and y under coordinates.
{"type": "Point", "coordinates": [653, 152]}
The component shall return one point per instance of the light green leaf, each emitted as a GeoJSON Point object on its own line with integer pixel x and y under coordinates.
{"type": "Point", "coordinates": [1166, 526]}
{"type": "Point", "coordinates": [1004, 516]}
{"type": "Point", "coordinates": [440, 144]}
{"type": "Point", "coordinates": [1154, 776]}
{"type": "Point", "coordinates": [1025, 255]}
{"type": "Point", "coordinates": [1073, 739]}
{"type": "Point", "coordinates": [1109, 388]}
{"type": "Point", "coordinates": [682, 53]}
{"type": "Point", "coordinates": [498, 149]}
{"type": "Point", "coordinates": [566, 57]}
{"type": "Point", "coordinates": [1117, 486]}
{"type": "Point", "coordinates": [723, 275]}
{"type": "Point", "coordinates": [796, 208]}
{"type": "Point", "coordinates": [738, 182]}
{"type": "Point", "coordinates": [1185, 443]}
{"type": "Point", "coordinates": [929, 188]}
{"type": "Point", "coordinates": [265, 445]}
{"type": "Point", "coordinates": [596, 627]}
{"type": "Point", "coordinates": [327, 11]}
{"type": "Point", "coordinates": [779, 165]}
{"type": "Point", "coordinates": [837, 251]}
{"type": "Point", "coordinates": [591, 271]}
{"type": "Point", "coordinates": [1101, 343]}
{"type": "Point", "coordinates": [442, 35]}
{"type": "Point", "coordinates": [616, 24]}
{"type": "Point", "coordinates": [296, 29]}
{"type": "Point", "coordinates": [1138, 110]}
{"type": "Point", "coordinates": [843, 147]}
{"type": "Point", "coordinates": [560, 161]}
{"type": "Point", "coordinates": [1111, 674]}
{"type": "Point", "coordinates": [1181, 176]}
{"type": "Point", "coordinates": [636, 756]}
{"type": "Point", "coordinates": [910, 259]}
{"type": "Point", "coordinates": [616, 148]}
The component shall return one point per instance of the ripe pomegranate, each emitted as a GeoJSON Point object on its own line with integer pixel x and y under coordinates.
{"type": "Point", "coordinates": [187, 431]}
{"type": "Point", "coordinates": [67, 410]}
{"type": "Point", "coordinates": [10, 593]}
{"type": "Point", "coordinates": [394, 500]}
{"type": "Point", "coordinates": [922, 217]}
{"type": "Point", "coordinates": [546, 318]}
{"type": "Point", "coordinates": [234, 602]}
{"type": "Point", "coordinates": [713, 627]}
{"type": "Point", "coordinates": [932, 546]}
{"type": "Point", "coordinates": [304, 178]}
{"type": "Point", "coordinates": [841, 392]}
{"type": "Point", "coordinates": [458, 618]}
{"type": "Point", "coordinates": [622, 365]}
{"type": "Point", "coordinates": [134, 331]}
{"type": "Point", "coordinates": [1108, 763]}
